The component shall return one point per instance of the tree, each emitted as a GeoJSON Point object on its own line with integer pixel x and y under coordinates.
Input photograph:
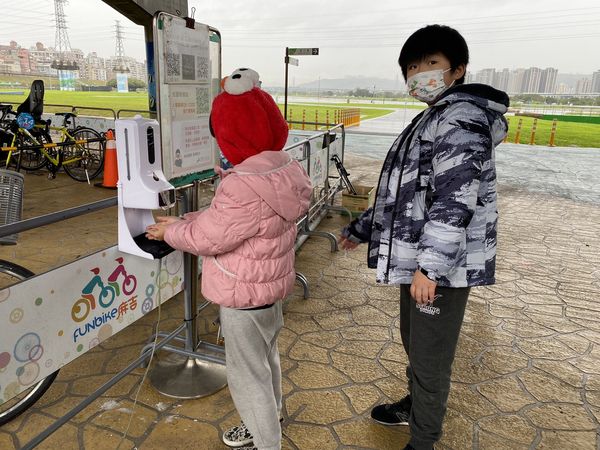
{"type": "Point", "coordinates": [133, 83]}
{"type": "Point", "coordinates": [359, 92]}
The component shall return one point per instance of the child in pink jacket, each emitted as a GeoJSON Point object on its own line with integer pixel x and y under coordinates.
{"type": "Point", "coordinates": [247, 238]}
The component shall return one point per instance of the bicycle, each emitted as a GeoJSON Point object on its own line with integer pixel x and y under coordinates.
{"type": "Point", "coordinates": [10, 274]}
{"type": "Point", "coordinates": [80, 151]}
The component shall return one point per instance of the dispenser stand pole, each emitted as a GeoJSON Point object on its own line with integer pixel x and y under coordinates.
{"type": "Point", "coordinates": [181, 376]}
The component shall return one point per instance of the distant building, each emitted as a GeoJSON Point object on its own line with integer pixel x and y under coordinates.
{"type": "Point", "coordinates": [93, 68]}
{"type": "Point", "coordinates": [41, 59]}
{"type": "Point", "coordinates": [584, 86]}
{"type": "Point", "coordinates": [485, 76]}
{"type": "Point", "coordinates": [136, 69]}
{"type": "Point", "coordinates": [564, 88]}
{"type": "Point", "coordinates": [9, 58]}
{"type": "Point", "coordinates": [531, 80]}
{"type": "Point", "coordinates": [38, 60]}
{"type": "Point", "coordinates": [515, 82]}
{"type": "Point", "coordinates": [548, 81]}
{"type": "Point", "coordinates": [596, 82]}
{"type": "Point", "coordinates": [501, 79]}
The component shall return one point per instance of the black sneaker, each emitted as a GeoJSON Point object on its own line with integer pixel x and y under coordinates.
{"type": "Point", "coordinates": [393, 413]}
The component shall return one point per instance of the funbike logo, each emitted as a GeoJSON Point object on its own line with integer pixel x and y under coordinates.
{"type": "Point", "coordinates": [101, 294]}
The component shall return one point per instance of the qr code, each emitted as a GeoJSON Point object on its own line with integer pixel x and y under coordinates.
{"type": "Point", "coordinates": [202, 68]}
{"type": "Point", "coordinates": [187, 67]}
{"type": "Point", "coordinates": [202, 100]}
{"type": "Point", "coordinates": [173, 65]}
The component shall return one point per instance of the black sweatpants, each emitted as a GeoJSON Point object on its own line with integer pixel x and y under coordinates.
{"type": "Point", "coordinates": [429, 335]}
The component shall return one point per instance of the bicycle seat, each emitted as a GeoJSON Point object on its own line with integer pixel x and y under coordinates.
{"type": "Point", "coordinates": [34, 103]}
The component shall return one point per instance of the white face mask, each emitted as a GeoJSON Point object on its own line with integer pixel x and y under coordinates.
{"type": "Point", "coordinates": [427, 86]}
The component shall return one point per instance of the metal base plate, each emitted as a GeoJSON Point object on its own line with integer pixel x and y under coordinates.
{"type": "Point", "coordinates": [180, 376]}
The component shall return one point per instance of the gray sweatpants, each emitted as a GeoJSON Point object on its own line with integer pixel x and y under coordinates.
{"type": "Point", "coordinates": [429, 336]}
{"type": "Point", "coordinates": [254, 370]}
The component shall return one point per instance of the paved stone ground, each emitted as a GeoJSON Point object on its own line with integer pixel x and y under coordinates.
{"type": "Point", "coordinates": [527, 372]}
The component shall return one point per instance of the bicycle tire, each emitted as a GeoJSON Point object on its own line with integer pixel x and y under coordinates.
{"type": "Point", "coordinates": [14, 407]}
{"type": "Point", "coordinates": [32, 159]}
{"type": "Point", "coordinates": [91, 154]}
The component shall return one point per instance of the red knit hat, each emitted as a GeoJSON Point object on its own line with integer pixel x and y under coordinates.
{"type": "Point", "coordinates": [244, 119]}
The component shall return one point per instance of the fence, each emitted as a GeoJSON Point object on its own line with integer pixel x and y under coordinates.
{"type": "Point", "coordinates": [530, 137]}
{"type": "Point", "coordinates": [349, 117]}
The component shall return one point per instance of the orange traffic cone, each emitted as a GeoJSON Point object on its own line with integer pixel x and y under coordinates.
{"type": "Point", "coordinates": [111, 173]}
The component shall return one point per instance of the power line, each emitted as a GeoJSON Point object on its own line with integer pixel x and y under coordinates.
{"type": "Point", "coordinates": [397, 45]}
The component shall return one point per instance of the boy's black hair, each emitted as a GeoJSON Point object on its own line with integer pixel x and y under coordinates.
{"type": "Point", "coordinates": [435, 39]}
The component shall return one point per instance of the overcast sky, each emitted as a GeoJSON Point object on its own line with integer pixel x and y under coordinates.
{"type": "Point", "coordinates": [355, 37]}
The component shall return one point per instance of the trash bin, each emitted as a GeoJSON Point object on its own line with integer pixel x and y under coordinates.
{"type": "Point", "coordinates": [11, 201]}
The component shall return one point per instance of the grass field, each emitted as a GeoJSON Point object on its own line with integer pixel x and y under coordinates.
{"type": "Point", "coordinates": [568, 134]}
{"type": "Point", "coordinates": [113, 100]}
{"type": "Point", "coordinates": [295, 112]}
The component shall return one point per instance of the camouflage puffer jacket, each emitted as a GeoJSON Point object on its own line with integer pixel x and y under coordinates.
{"type": "Point", "coordinates": [436, 201]}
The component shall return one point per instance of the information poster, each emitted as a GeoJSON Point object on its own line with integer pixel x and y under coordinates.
{"type": "Point", "coordinates": [185, 96]}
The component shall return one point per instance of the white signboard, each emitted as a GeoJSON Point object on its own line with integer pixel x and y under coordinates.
{"type": "Point", "coordinates": [185, 94]}
{"type": "Point", "coordinates": [318, 165]}
{"type": "Point", "coordinates": [51, 319]}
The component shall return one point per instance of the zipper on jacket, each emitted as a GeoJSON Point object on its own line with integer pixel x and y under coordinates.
{"type": "Point", "coordinates": [404, 156]}
{"type": "Point", "coordinates": [414, 122]}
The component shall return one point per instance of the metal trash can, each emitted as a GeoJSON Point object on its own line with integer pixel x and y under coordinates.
{"type": "Point", "coordinates": [11, 201]}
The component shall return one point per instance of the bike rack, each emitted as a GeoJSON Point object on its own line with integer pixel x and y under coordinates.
{"type": "Point", "coordinates": [89, 108]}
{"type": "Point", "coordinates": [151, 114]}
{"type": "Point", "coordinates": [53, 144]}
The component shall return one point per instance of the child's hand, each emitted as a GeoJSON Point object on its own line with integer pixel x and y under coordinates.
{"type": "Point", "coordinates": [156, 232]}
{"type": "Point", "coordinates": [422, 289]}
{"type": "Point", "coordinates": [347, 244]}
{"type": "Point", "coordinates": [167, 220]}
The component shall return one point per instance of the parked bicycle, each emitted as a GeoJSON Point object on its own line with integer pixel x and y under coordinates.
{"type": "Point", "coordinates": [10, 274]}
{"type": "Point", "coordinates": [80, 150]}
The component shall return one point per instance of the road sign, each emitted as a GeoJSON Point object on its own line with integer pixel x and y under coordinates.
{"type": "Point", "coordinates": [293, 61]}
{"type": "Point", "coordinates": [303, 51]}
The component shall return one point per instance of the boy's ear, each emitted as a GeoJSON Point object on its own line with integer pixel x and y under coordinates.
{"type": "Point", "coordinates": [459, 72]}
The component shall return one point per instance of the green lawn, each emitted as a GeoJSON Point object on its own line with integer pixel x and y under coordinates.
{"type": "Point", "coordinates": [568, 134]}
{"type": "Point", "coordinates": [295, 113]}
{"type": "Point", "coordinates": [113, 100]}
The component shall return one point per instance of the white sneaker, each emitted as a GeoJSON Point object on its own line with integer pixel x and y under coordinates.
{"type": "Point", "coordinates": [238, 436]}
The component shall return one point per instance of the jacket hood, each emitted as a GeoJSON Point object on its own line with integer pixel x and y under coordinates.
{"type": "Point", "coordinates": [494, 101]}
{"type": "Point", "coordinates": [279, 180]}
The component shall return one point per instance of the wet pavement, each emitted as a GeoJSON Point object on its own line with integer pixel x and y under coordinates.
{"type": "Point", "coordinates": [527, 370]}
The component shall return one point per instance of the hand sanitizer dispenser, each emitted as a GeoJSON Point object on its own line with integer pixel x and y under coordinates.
{"type": "Point", "coordinates": [142, 186]}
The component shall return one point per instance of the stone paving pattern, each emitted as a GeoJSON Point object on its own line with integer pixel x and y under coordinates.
{"type": "Point", "coordinates": [526, 375]}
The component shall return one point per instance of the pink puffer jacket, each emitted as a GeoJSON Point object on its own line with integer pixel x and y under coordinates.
{"type": "Point", "coordinates": [247, 234]}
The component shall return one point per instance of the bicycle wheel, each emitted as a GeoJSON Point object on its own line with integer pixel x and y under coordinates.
{"type": "Point", "coordinates": [10, 274]}
{"type": "Point", "coordinates": [90, 155]}
{"type": "Point", "coordinates": [32, 159]}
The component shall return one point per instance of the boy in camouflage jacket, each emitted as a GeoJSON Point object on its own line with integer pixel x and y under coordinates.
{"type": "Point", "coordinates": [432, 229]}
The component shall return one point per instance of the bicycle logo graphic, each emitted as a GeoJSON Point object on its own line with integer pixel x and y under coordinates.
{"type": "Point", "coordinates": [105, 293]}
